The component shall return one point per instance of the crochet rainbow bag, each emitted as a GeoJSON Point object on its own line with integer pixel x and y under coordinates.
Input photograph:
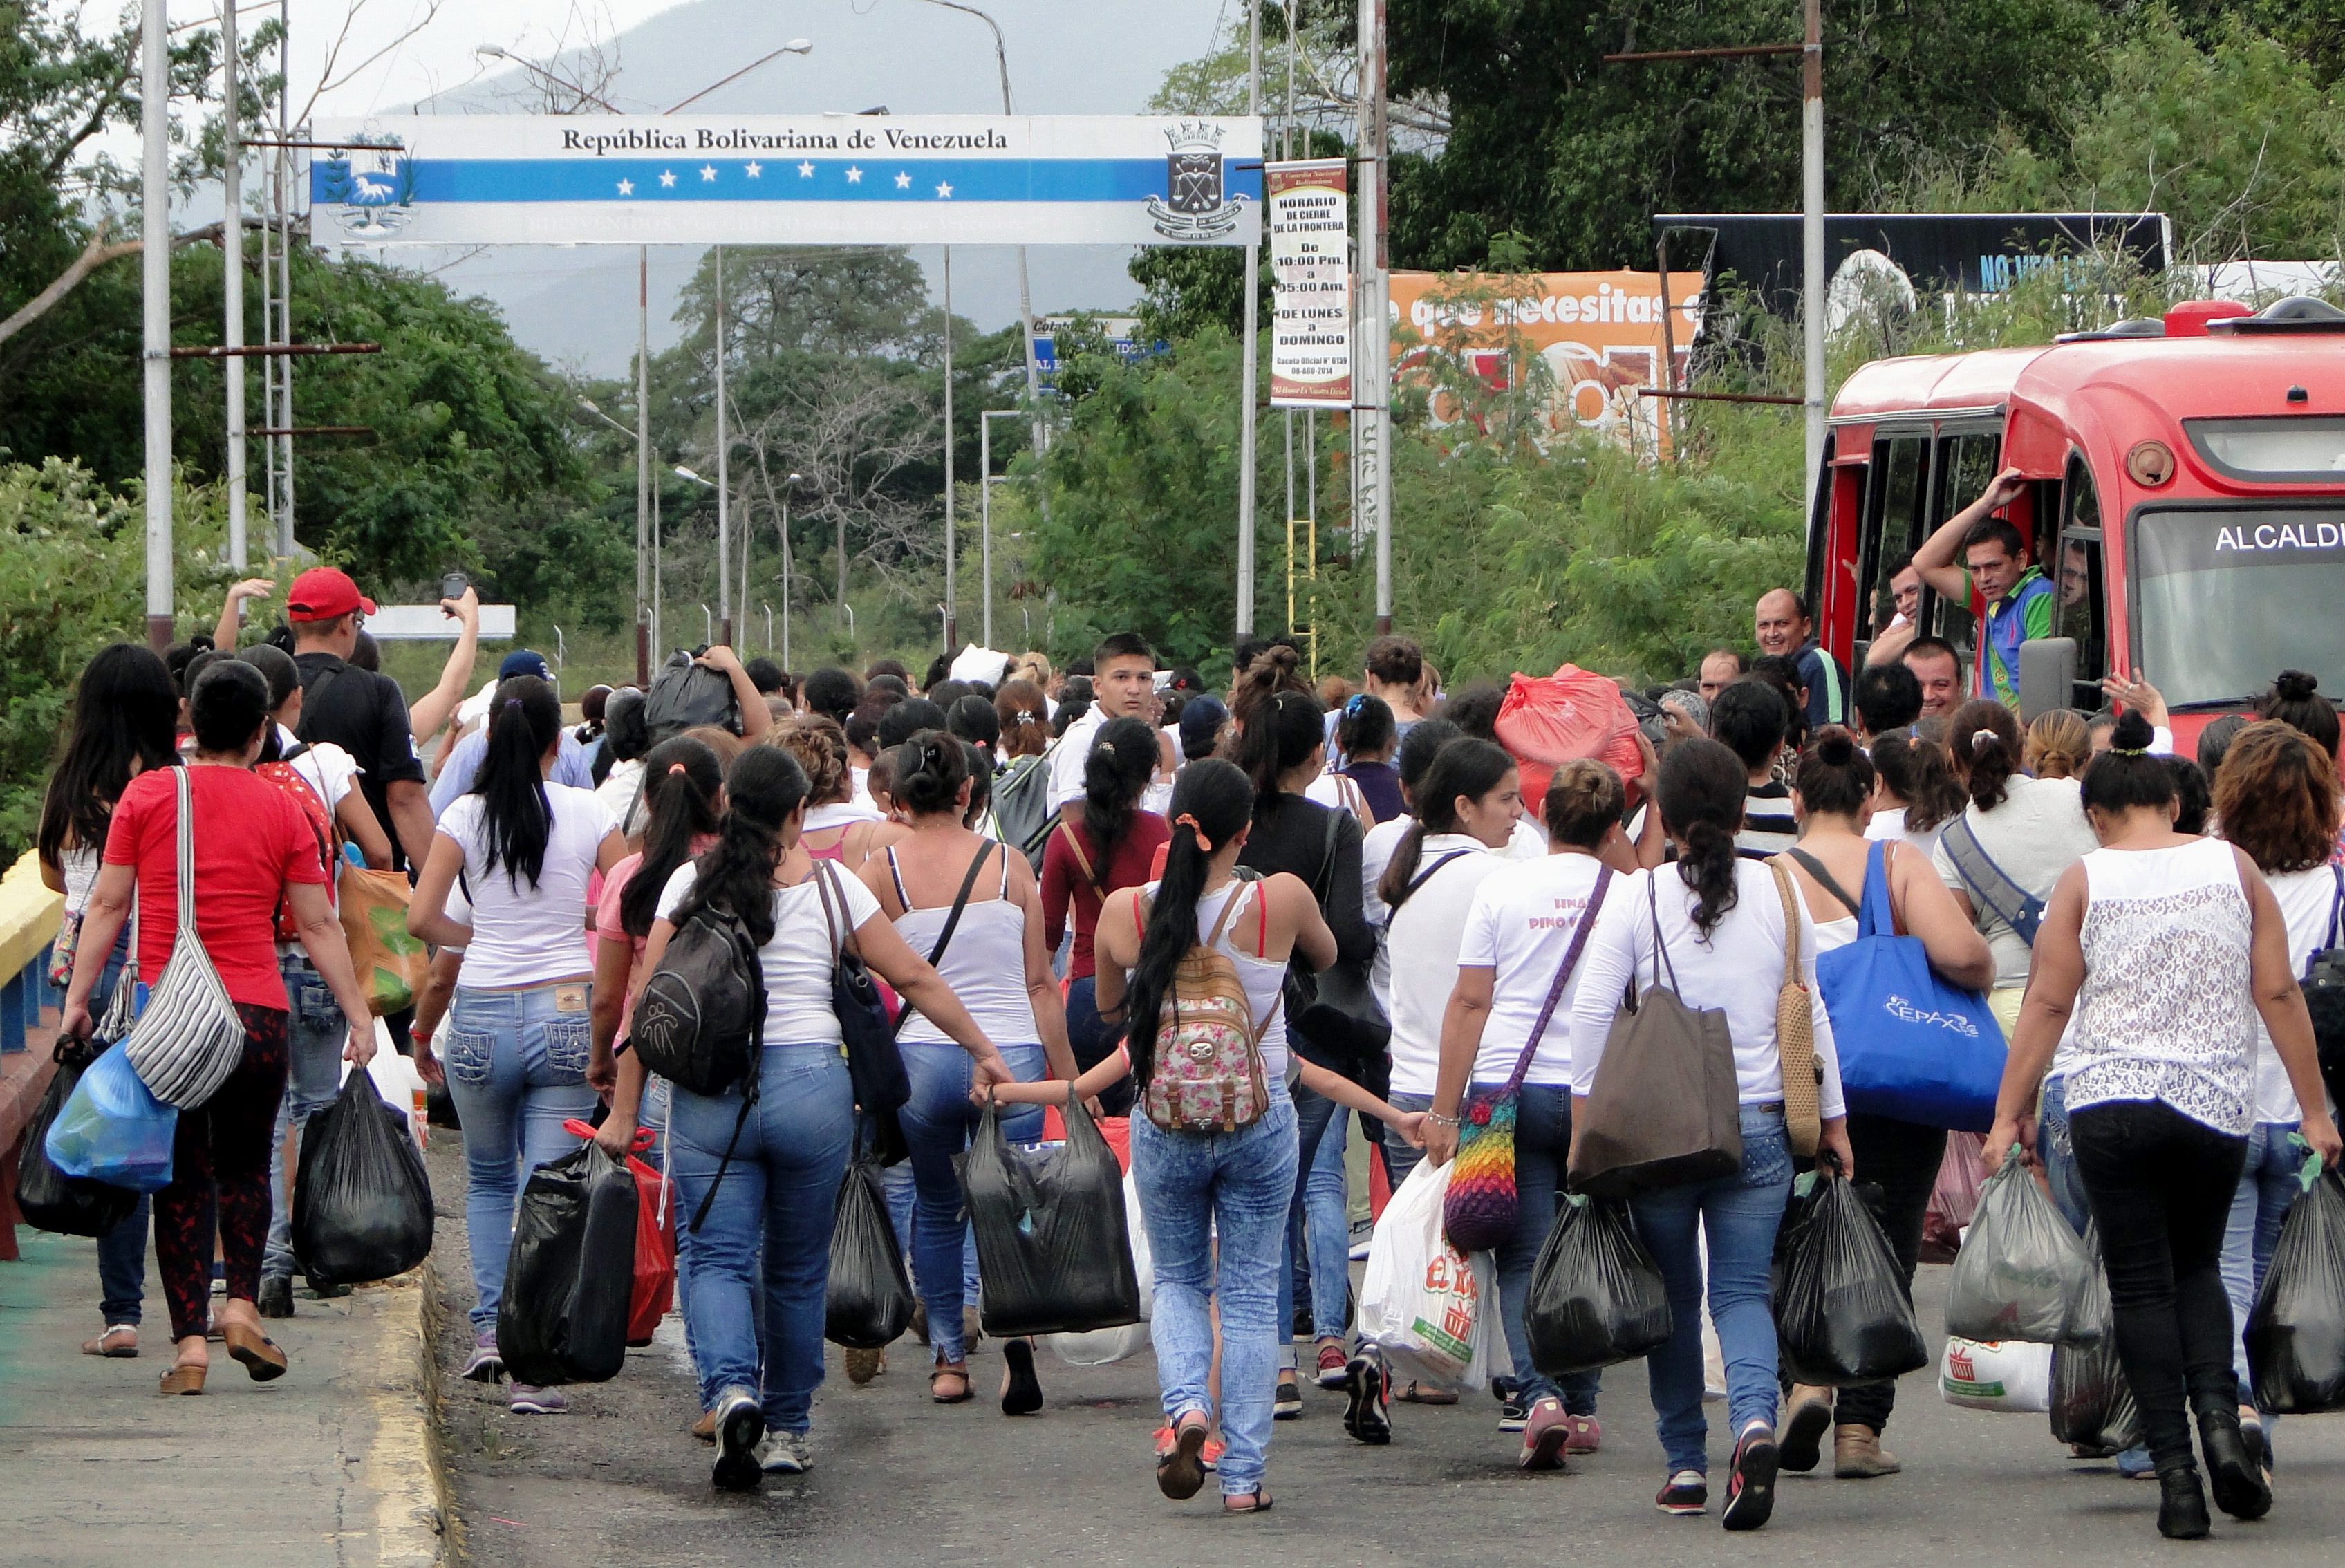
{"type": "Point", "coordinates": [1481, 1206]}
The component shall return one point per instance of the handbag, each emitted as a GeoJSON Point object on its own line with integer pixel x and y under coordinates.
{"type": "Point", "coordinates": [874, 1065]}
{"type": "Point", "coordinates": [1334, 1011]}
{"type": "Point", "coordinates": [1665, 1108]}
{"type": "Point", "coordinates": [1911, 1045]}
{"type": "Point", "coordinates": [59, 971]}
{"type": "Point", "coordinates": [1480, 1207]}
{"type": "Point", "coordinates": [1795, 1032]}
{"type": "Point", "coordinates": [190, 1038]}
{"type": "Point", "coordinates": [1989, 884]}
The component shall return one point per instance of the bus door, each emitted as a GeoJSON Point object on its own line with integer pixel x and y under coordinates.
{"type": "Point", "coordinates": [2076, 568]}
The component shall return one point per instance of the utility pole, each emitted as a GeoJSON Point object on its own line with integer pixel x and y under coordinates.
{"type": "Point", "coordinates": [951, 545]}
{"type": "Point", "coordinates": [155, 275]}
{"type": "Point", "coordinates": [1246, 394]}
{"type": "Point", "coordinates": [1811, 239]}
{"type": "Point", "coordinates": [232, 282]}
{"type": "Point", "coordinates": [643, 466]}
{"type": "Point", "coordinates": [1372, 404]}
{"type": "Point", "coordinates": [724, 484]}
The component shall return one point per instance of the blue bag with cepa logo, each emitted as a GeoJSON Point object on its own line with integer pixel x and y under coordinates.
{"type": "Point", "coordinates": [1911, 1045]}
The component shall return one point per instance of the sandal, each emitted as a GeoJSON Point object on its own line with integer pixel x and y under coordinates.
{"type": "Point", "coordinates": [949, 1383]}
{"type": "Point", "coordinates": [1260, 1503]}
{"type": "Point", "coordinates": [119, 1342]}
{"type": "Point", "coordinates": [1180, 1468]}
{"type": "Point", "coordinates": [256, 1351]}
{"type": "Point", "coordinates": [184, 1378]}
{"type": "Point", "coordinates": [1424, 1394]}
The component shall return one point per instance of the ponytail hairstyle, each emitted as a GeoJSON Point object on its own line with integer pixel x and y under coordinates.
{"type": "Point", "coordinates": [1118, 771]}
{"type": "Point", "coordinates": [516, 820]}
{"type": "Point", "coordinates": [1024, 716]}
{"type": "Point", "coordinates": [2058, 745]}
{"type": "Point", "coordinates": [2126, 775]}
{"type": "Point", "coordinates": [1278, 731]}
{"type": "Point", "coordinates": [927, 771]}
{"type": "Point", "coordinates": [817, 743]}
{"type": "Point", "coordinates": [1585, 800]}
{"type": "Point", "coordinates": [681, 781]}
{"type": "Point", "coordinates": [980, 784]}
{"type": "Point", "coordinates": [1920, 773]}
{"type": "Point", "coordinates": [1985, 740]}
{"type": "Point", "coordinates": [1465, 767]}
{"type": "Point", "coordinates": [1211, 804]}
{"type": "Point", "coordinates": [762, 789]}
{"type": "Point", "coordinates": [1700, 793]}
{"type": "Point", "coordinates": [1835, 776]}
{"type": "Point", "coordinates": [2295, 698]}
{"type": "Point", "coordinates": [1365, 727]}
{"type": "Point", "coordinates": [1422, 744]}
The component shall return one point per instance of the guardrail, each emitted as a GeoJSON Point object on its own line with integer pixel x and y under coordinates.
{"type": "Point", "coordinates": [28, 922]}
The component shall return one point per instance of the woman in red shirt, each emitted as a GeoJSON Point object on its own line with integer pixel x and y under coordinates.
{"type": "Point", "coordinates": [1110, 844]}
{"type": "Point", "coordinates": [254, 850]}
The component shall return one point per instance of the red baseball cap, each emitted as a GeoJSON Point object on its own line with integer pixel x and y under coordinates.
{"type": "Point", "coordinates": [323, 594]}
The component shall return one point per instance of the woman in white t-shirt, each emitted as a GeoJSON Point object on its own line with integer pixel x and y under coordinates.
{"type": "Point", "coordinates": [761, 1178]}
{"type": "Point", "coordinates": [519, 1035]}
{"type": "Point", "coordinates": [1509, 1018]}
{"type": "Point", "coordinates": [2276, 796]}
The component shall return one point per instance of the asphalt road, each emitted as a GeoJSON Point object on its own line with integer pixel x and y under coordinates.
{"type": "Point", "coordinates": [898, 1481]}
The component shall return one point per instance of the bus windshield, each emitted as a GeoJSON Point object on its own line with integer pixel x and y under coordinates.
{"type": "Point", "coordinates": [2226, 597]}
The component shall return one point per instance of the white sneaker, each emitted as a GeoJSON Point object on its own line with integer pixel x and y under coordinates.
{"type": "Point", "coordinates": [740, 1423]}
{"type": "Point", "coordinates": [786, 1453]}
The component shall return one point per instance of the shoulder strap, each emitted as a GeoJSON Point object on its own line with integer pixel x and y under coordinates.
{"type": "Point", "coordinates": [823, 890]}
{"type": "Point", "coordinates": [297, 751]}
{"type": "Point", "coordinates": [896, 875]}
{"type": "Point", "coordinates": [1825, 879]}
{"type": "Point", "coordinates": [1989, 883]}
{"type": "Point", "coordinates": [944, 937]}
{"type": "Point", "coordinates": [1790, 922]}
{"type": "Point", "coordinates": [1425, 875]}
{"type": "Point", "coordinates": [1075, 847]}
{"type": "Point", "coordinates": [1660, 949]}
{"type": "Point", "coordinates": [1324, 882]}
{"type": "Point", "coordinates": [1562, 974]}
{"type": "Point", "coordinates": [185, 835]}
{"type": "Point", "coordinates": [2336, 905]}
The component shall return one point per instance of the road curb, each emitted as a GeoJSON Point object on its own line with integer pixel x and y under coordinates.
{"type": "Point", "coordinates": [402, 1465]}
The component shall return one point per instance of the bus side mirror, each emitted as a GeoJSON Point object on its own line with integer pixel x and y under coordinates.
{"type": "Point", "coordinates": [2047, 676]}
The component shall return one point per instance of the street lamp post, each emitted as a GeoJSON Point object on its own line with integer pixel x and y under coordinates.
{"type": "Point", "coordinates": [788, 484]}
{"type": "Point", "coordinates": [985, 505]}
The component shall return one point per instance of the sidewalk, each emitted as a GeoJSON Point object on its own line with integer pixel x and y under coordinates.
{"type": "Point", "coordinates": [326, 1465]}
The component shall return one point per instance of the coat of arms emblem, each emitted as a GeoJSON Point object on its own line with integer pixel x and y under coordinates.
{"type": "Point", "coordinates": [1194, 207]}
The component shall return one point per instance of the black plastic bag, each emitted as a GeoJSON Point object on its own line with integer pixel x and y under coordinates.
{"type": "Point", "coordinates": [1842, 1313]}
{"type": "Point", "coordinates": [2296, 1335]}
{"type": "Point", "coordinates": [2092, 1403]}
{"type": "Point", "coordinates": [361, 1203]}
{"type": "Point", "coordinates": [571, 1278]}
{"type": "Point", "coordinates": [48, 1198]}
{"type": "Point", "coordinates": [1053, 1255]}
{"type": "Point", "coordinates": [868, 1303]}
{"type": "Point", "coordinates": [1597, 1297]}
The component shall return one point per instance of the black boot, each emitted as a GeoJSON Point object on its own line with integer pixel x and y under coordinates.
{"type": "Point", "coordinates": [276, 1296]}
{"type": "Point", "coordinates": [2240, 1490]}
{"type": "Point", "coordinates": [2181, 1505]}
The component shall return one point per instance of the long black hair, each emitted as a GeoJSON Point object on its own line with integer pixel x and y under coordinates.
{"type": "Point", "coordinates": [926, 772]}
{"type": "Point", "coordinates": [1280, 732]}
{"type": "Point", "coordinates": [516, 820]}
{"type": "Point", "coordinates": [1701, 792]}
{"type": "Point", "coordinates": [1115, 775]}
{"type": "Point", "coordinates": [1211, 804]}
{"type": "Point", "coordinates": [2126, 775]}
{"type": "Point", "coordinates": [762, 788]}
{"type": "Point", "coordinates": [126, 712]}
{"type": "Point", "coordinates": [681, 781]}
{"type": "Point", "coordinates": [1418, 747]}
{"type": "Point", "coordinates": [1465, 767]}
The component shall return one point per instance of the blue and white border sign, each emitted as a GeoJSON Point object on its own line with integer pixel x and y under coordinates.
{"type": "Point", "coordinates": [786, 180]}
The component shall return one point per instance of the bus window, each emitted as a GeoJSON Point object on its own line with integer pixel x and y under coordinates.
{"type": "Point", "coordinates": [1892, 526]}
{"type": "Point", "coordinates": [2082, 608]}
{"type": "Point", "coordinates": [1966, 466]}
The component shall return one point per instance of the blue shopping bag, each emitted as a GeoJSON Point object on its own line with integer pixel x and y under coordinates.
{"type": "Point", "coordinates": [112, 1129]}
{"type": "Point", "coordinates": [1911, 1045]}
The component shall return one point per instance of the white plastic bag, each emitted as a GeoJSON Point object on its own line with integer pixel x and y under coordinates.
{"type": "Point", "coordinates": [2007, 1376]}
{"type": "Point", "coordinates": [1423, 1303]}
{"type": "Point", "coordinates": [1103, 1347]}
{"type": "Point", "coordinates": [396, 1080]}
{"type": "Point", "coordinates": [2022, 1274]}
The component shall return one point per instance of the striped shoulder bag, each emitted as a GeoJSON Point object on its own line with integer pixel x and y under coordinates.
{"type": "Point", "coordinates": [188, 1039]}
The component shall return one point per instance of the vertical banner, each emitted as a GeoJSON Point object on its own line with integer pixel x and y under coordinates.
{"type": "Point", "coordinates": [1311, 276]}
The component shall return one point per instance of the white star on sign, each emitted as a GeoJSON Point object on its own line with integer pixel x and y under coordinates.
{"type": "Point", "coordinates": [805, 171]}
{"type": "Point", "coordinates": [626, 188]}
{"type": "Point", "coordinates": [903, 182]}
{"type": "Point", "coordinates": [944, 193]}
{"type": "Point", "coordinates": [753, 169]}
{"type": "Point", "coordinates": [667, 177]}
{"type": "Point", "coordinates": [708, 171]}
{"type": "Point", "coordinates": [854, 175]}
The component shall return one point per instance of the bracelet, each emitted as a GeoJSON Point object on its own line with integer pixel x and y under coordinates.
{"type": "Point", "coordinates": [1439, 1120]}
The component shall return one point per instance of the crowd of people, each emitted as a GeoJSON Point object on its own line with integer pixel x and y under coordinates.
{"type": "Point", "coordinates": [1078, 884]}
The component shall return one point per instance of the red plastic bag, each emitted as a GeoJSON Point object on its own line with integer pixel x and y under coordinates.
{"type": "Point", "coordinates": [1548, 720]}
{"type": "Point", "coordinates": [654, 1280]}
{"type": "Point", "coordinates": [1953, 1198]}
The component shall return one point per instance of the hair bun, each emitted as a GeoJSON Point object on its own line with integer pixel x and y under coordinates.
{"type": "Point", "coordinates": [2296, 685]}
{"type": "Point", "coordinates": [1835, 747]}
{"type": "Point", "coordinates": [2133, 733]}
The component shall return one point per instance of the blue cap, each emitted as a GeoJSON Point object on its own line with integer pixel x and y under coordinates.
{"type": "Point", "coordinates": [525, 661]}
{"type": "Point", "coordinates": [1201, 722]}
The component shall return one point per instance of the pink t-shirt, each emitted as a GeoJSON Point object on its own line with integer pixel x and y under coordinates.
{"type": "Point", "coordinates": [606, 919]}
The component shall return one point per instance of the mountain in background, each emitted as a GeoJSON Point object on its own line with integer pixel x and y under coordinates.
{"type": "Point", "coordinates": [575, 305]}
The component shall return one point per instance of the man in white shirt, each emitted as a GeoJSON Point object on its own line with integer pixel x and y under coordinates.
{"type": "Point", "coordinates": [1124, 685]}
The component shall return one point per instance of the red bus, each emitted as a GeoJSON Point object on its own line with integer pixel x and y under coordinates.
{"type": "Point", "coordinates": [2185, 495]}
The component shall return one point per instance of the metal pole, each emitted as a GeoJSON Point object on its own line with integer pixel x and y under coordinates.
{"type": "Point", "coordinates": [1668, 410]}
{"type": "Point", "coordinates": [659, 582]}
{"type": "Point", "coordinates": [644, 608]}
{"type": "Point", "coordinates": [155, 193]}
{"type": "Point", "coordinates": [232, 285]}
{"type": "Point", "coordinates": [1811, 237]}
{"type": "Point", "coordinates": [1372, 410]}
{"type": "Point", "coordinates": [1246, 357]}
{"type": "Point", "coordinates": [985, 518]}
{"type": "Point", "coordinates": [951, 545]}
{"type": "Point", "coordinates": [785, 582]}
{"type": "Point", "coordinates": [285, 274]}
{"type": "Point", "coordinates": [724, 515]}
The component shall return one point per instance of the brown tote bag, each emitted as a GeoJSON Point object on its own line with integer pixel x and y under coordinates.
{"type": "Point", "coordinates": [1665, 1108]}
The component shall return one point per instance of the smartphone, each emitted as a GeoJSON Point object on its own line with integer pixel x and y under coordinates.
{"type": "Point", "coordinates": [453, 585]}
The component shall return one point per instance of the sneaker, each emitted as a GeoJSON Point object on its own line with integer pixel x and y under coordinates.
{"type": "Point", "coordinates": [276, 1297]}
{"type": "Point", "coordinates": [1300, 1328]}
{"type": "Point", "coordinates": [1685, 1493]}
{"type": "Point", "coordinates": [529, 1400]}
{"type": "Point", "coordinates": [486, 1366]}
{"type": "Point", "coordinates": [1286, 1402]}
{"type": "Point", "coordinates": [785, 1453]}
{"type": "Point", "coordinates": [1367, 1414]}
{"type": "Point", "coordinates": [740, 1422]}
{"type": "Point", "coordinates": [1545, 1430]}
{"type": "Point", "coordinates": [1750, 1489]}
{"type": "Point", "coordinates": [1209, 1459]}
{"type": "Point", "coordinates": [1330, 1365]}
{"type": "Point", "coordinates": [1586, 1437]}
{"type": "Point", "coordinates": [2134, 1464]}
{"type": "Point", "coordinates": [1514, 1412]}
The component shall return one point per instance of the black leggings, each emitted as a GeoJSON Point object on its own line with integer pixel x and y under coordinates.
{"type": "Point", "coordinates": [2160, 1186]}
{"type": "Point", "coordinates": [1902, 1159]}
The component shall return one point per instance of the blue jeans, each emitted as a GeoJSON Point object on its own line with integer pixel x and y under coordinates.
{"type": "Point", "coordinates": [2267, 1188]}
{"type": "Point", "coordinates": [1216, 1209]}
{"type": "Point", "coordinates": [938, 1121]}
{"type": "Point", "coordinates": [1542, 1144]}
{"type": "Point", "coordinates": [1738, 1215]}
{"type": "Point", "coordinates": [761, 1261]}
{"type": "Point", "coordinates": [516, 1067]}
{"type": "Point", "coordinates": [1091, 1039]}
{"type": "Point", "coordinates": [1320, 1240]}
{"type": "Point", "coordinates": [1312, 1114]}
{"type": "Point", "coordinates": [122, 1251]}
{"type": "Point", "coordinates": [314, 1033]}
{"type": "Point", "coordinates": [1400, 1157]}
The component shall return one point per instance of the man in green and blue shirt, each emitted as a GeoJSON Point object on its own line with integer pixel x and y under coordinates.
{"type": "Point", "coordinates": [2018, 599]}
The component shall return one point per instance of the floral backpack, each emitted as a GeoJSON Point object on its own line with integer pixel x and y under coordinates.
{"type": "Point", "coordinates": [1207, 1073]}
{"type": "Point", "coordinates": [285, 776]}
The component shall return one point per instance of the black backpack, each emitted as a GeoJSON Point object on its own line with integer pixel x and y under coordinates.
{"type": "Point", "coordinates": [685, 695]}
{"type": "Point", "coordinates": [701, 1020]}
{"type": "Point", "coordinates": [2324, 994]}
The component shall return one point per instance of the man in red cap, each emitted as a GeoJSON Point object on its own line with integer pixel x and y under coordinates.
{"type": "Point", "coordinates": [362, 711]}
